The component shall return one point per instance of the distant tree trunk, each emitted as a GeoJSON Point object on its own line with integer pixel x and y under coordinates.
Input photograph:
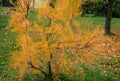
{"type": "Point", "coordinates": [109, 17]}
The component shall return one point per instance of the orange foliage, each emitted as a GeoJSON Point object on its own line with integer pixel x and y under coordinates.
{"type": "Point", "coordinates": [58, 45]}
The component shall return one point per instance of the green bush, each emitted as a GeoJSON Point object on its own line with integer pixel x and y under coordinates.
{"type": "Point", "coordinates": [116, 9]}
{"type": "Point", "coordinates": [100, 8]}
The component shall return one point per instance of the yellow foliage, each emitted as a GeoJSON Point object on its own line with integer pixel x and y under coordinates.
{"type": "Point", "coordinates": [39, 45]}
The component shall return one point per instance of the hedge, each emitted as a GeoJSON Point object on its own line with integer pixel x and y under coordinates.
{"type": "Point", "coordinates": [100, 8]}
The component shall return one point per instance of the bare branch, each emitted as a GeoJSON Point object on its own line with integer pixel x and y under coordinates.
{"type": "Point", "coordinates": [34, 67]}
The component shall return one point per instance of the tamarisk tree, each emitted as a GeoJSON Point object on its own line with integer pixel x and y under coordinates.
{"type": "Point", "coordinates": [55, 48]}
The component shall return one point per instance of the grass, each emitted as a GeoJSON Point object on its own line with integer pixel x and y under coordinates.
{"type": "Point", "coordinates": [7, 43]}
{"type": "Point", "coordinates": [3, 20]}
{"type": "Point", "coordinates": [98, 21]}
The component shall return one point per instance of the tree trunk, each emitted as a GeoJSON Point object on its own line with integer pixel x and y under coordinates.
{"type": "Point", "coordinates": [108, 18]}
{"type": "Point", "coordinates": [50, 75]}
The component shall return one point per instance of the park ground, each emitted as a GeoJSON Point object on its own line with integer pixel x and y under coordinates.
{"type": "Point", "coordinates": [7, 39]}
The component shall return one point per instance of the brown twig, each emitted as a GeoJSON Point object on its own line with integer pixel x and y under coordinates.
{"type": "Point", "coordinates": [40, 69]}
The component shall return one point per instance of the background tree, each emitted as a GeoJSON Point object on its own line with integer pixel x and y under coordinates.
{"type": "Point", "coordinates": [109, 16]}
{"type": "Point", "coordinates": [102, 8]}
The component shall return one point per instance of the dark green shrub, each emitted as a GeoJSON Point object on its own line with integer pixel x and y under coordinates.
{"type": "Point", "coordinates": [100, 8]}
{"type": "Point", "coordinates": [6, 3]}
{"type": "Point", "coordinates": [116, 9]}
{"type": "Point", "coordinates": [88, 7]}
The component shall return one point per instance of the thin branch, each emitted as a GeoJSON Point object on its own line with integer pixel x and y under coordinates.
{"type": "Point", "coordinates": [34, 67]}
{"type": "Point", "coordinates": [87, 44]}
{"type": "Point", "coordinates": [21, 5]}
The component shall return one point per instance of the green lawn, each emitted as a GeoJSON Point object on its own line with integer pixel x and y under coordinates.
{"type": "Point", "coordinates": [98, 21]}
{"type": "Point", "coordinates": [7, 38]}
{"type": "Point", "coordinates": [3, 20]}
{"type": "Point", "coordinates": [7, 44]}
